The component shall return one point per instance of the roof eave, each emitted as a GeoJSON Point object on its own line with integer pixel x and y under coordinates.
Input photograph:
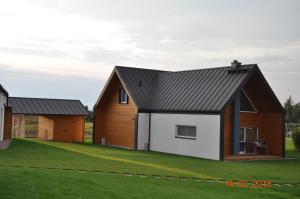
{"type": "Point", "coordinates": [55, 114]}
{"type": "Point", "coordinates": [255, 69]}
{"type": "Point", "coordinates": [251, 73]}
{"type": "Point", "coordinates": [180, 111]}
{"type": "Point", "coordinates": [271, 90]}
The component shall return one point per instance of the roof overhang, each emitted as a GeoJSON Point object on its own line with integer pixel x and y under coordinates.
{"type": "Point", "coordinates": [242, 85]}
{"type": "Point", "coordinates": [3, 90]}
{"type": "Point", "coordinates": [170, 111]}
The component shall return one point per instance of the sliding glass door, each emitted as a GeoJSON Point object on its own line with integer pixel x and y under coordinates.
{"type": "Point", "coordinates": [248, 140]}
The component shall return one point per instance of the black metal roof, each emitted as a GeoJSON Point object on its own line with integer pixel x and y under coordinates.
{"type": "Point", "coordinates": [202, 90]}
{"type": "Point", "coordinates": [3, 90]}
{"type": "Point", "coordinates": [41, 106]}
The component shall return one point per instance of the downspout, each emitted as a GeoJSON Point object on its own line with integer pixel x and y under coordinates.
{"type": "Point", "coordinates": [221, 155]}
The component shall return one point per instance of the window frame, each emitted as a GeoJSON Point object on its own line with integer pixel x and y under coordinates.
{"type": "Point", "coordinates": [121, 90]}
{"type": "Point", "coordinates": [244, 141]}
{"type": "Point", "coordinates": [255, 110]}
{"type": "Point", "coordinates": [183, 136]}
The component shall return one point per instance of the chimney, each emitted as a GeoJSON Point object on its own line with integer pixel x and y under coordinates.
{"type": "Point", "coordinates": [235, 64]}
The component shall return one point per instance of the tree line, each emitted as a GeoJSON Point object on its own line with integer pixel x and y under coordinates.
{"type": "Point", "coordinates": [292, 111]}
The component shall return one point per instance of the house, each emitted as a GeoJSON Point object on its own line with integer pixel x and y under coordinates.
{"type": "Point", "coordinates": [220, 113]}
{"type": "Point", "coordinates": [5, 119]}
{"type": "Point", "coordinates": [49, 119]}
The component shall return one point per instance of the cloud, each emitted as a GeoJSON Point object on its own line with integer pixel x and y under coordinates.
{"type": "Point", "coordinates": [86, 38]}
{"type": "Point", "coordinates": [48, 40]}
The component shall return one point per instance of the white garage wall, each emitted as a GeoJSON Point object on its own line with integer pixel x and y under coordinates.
{"type": "Point", "coordinates": [206, 145]}
{"type": "Point", "coordinates": [2, 108]}
{"type": "Point", "coordinates": [143, 131]}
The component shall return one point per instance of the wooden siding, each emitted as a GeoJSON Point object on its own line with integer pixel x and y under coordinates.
{"type": "Point", "coordinates": [269, 128]}
{"type": "Point", "coordinates": [68, 128]}
{"type": "Point", "coordinates": [45, 128]}
{"type": "Point", "coordinates": [268, 119]}
{"type": "Point", "coordinates": [114, 121]}
{"type": "Point", "coordinates": [7, 123]}
{"type": "Point", "coordinates": [18, 126]}
{"type": "Point", "coordinates": [228, 129]}
{"type": "Point", "coordinates": [65, 128]}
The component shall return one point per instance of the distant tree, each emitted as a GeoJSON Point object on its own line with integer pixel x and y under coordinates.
{"type": "Point", "coordinates": [289, 106]}
{"type": "Point", "coordinates": [296, 138]}
{"type": "Point", "coordinates": [89, 117]}
{"type": "Point", "coordinates": [296, 113]}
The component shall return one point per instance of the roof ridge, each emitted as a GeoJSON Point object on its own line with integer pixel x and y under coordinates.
{"type": "Point", "coordinates": [219, 67]}
{"type": "Point", "coordinates": [188, 70]}
{"type": "Point", "coordinates": [44, 98]}
{"type": "Point", "coordinates": [141, 68]}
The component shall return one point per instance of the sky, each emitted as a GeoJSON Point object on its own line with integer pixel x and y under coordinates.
{"type": "Point", "coordinates": [68, 48]}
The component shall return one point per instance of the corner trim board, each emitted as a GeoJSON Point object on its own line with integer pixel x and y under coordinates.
{"type": "Point", "coordinates": [221, 156]}
{"type": "Point", "coordinates": [136, 131]}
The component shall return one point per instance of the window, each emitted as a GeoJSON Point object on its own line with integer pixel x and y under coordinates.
{"type": "Point", "coordinates": [248, 136]}
{"type": "Point", "coordinates": [188, 132]}
{"type": "Point", "coordinates": [123, 97]}
{"type": "Point", "coordinates": [31, 126]}
{"type": "Point", "coordinates": [246, 104]}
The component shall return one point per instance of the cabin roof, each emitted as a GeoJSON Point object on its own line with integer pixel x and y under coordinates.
{"type": "Point", "coordinates": [201, 90]}
{"type": "Point", "coordinates": [43, 106]}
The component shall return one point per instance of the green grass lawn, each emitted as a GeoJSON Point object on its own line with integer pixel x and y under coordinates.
{"type": "Point", "coordinates": [35, 169]}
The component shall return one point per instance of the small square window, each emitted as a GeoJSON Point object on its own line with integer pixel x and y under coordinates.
{"type": "Point", "coordinates": [123, 97]}
{"type": "Point", "coordinates": [184, 131]}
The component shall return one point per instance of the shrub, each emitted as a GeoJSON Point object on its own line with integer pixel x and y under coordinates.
{"type": "Point", "coordinates": [296, 138]}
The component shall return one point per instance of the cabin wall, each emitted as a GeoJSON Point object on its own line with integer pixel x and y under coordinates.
{"type": "Point", "coordinates": [7, 123]}
{"type": "Point", "coordinates": [3, 100]}
{"type": "Point", "coordinates": [143, 131]}
{"type": "Point", "coordinates": [206, 145]}
{"type": "Point", "coordinates": [268, 119]}
{"type": "Point", "coordinates": [269, 128]}
{"type": "Point", "coordinates": [18, 125]}
{"type": "Point", "coordinates": [114, 122]}
{"type": "Point", "coordinates": [228, 130]}
{"type": "Point", "coordinates": [45, 128]}
{"type": "Point", "coordinates": [60, 128]}
{"type": "Point", "coordinates": [68, 128]}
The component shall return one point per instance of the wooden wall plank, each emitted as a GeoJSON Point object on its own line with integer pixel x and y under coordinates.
{"type": "Point", "coordinates": [45, 128]}
{"type": "Point", "coordinates": [114, 121]}
{"type": "Point", "coordinates": [7, 123]}
{"type": "Point", "coordinates": [68, 128]}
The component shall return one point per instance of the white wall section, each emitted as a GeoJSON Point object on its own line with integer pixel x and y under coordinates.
{"type": "Point", "coordinates": [2, 109]}
{"type": "Point", "coordinates": [143, 131]}
{"type": "Point", "coordinates": [207, 142]}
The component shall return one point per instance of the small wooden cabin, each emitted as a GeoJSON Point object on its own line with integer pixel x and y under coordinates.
{"type": "Point", "coordinates": [5, 117]}
{"type": "Point", "coordinates": [224, 113]}
{"type": "Point", "coordinates": [48, 119]}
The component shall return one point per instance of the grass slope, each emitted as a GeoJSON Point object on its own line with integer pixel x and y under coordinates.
{"type": "Point", "coordinates": [44, 183]}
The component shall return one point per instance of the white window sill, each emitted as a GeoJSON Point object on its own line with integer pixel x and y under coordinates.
{"type": "Point", "coordinates": [185, 137]}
